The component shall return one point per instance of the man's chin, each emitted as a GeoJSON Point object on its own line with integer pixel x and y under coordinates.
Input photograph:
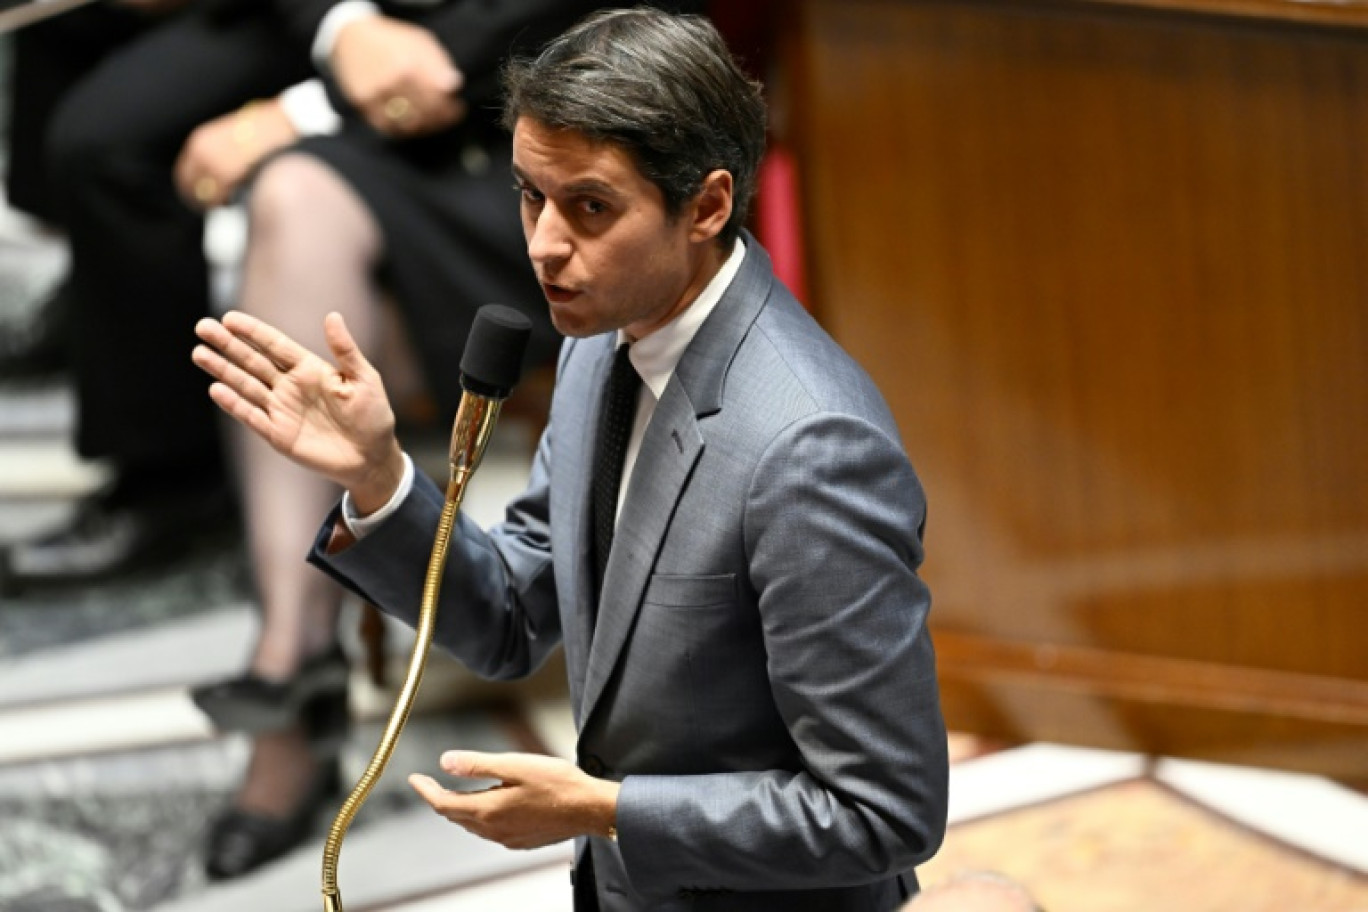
{"type": "Point", "coordinates": [572, 324]}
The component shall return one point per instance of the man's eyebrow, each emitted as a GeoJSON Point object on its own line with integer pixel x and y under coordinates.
{"type": "Point", "coordinates": [581, 185]}
{"type": "Point", "coordinates": [591, 185]}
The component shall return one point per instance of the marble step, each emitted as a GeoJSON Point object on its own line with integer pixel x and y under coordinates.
{"type": "Point", "coordinates": [37, 409]}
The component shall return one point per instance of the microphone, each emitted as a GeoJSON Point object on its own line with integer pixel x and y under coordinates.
{"type": "Point", "coordinates": [490, 367]}
{"type": "Point", "coordinates": [492, 362]}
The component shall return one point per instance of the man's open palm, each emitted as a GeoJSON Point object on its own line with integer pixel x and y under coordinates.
{"type": "Point", "coordinates": [332, 419]}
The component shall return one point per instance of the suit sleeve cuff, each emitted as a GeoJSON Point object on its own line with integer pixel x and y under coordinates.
{"type": "Point", "coordinates": [360, 526]}
{"type": "Point", "coordinates": [644, 812]}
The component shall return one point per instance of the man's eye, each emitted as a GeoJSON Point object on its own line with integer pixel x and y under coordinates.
{"type": "Point", "coordinates": [594, 207]}
{"type": "Point", "coordinates": [528, 193]}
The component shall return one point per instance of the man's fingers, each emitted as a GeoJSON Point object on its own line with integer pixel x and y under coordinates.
{"type": "Point", "coordinates": [239, 350]}
{"type": "Point", "coordinates": [344, 349]}
{"type": "Point", "coordinates": [212, 331]}
{"type": "Point", "coordinates": [283, 352]}
{"type": "Point", "coordinates": [245, 384]}
{"type": "Point", "coordinates": [475, 765]}
{"type": "Point", "coordinates": [429, 790]}
{"type": "Point", "coordinates": [238, 393]}
{"type": "Point", "coordinates": [253, 418]}
{"type": "Point", "coordinates": [236, 352]}
{"type": "Point", "coordinates": [459, 807]}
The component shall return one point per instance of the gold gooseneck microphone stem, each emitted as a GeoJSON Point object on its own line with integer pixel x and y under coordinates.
{"type": "Point", "coordinates": [474, 423]}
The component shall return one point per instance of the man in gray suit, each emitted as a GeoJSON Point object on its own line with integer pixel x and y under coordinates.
{"type": "Point", "coordinates": [751, 674]}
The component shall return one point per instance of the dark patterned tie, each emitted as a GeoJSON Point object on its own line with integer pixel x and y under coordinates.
{"type": "Point", "coordinates": [615, 428]}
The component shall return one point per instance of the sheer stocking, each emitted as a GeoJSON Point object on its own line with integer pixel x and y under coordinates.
{"type": "Point", "coordinates": [313, 248]}
{"type": "Point", "coordinates": [279, 774]}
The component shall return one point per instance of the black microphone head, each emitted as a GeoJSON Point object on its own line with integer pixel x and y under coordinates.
{"type": "Point", "coordinates": [492, 361]}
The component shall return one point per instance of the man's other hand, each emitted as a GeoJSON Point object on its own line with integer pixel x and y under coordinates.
{"type": "Point", "coordinates": [538, 801]}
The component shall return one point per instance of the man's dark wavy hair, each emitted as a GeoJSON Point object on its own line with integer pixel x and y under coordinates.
{"type": "Point", "coordinates": [663, 87]}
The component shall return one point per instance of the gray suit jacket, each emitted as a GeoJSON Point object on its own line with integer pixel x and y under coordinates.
{"type": "Point", "coordinates": [760, 678]}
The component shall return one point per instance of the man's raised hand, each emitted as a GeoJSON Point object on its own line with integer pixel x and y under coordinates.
{"type": "Point", "coordinates": [332, 418]}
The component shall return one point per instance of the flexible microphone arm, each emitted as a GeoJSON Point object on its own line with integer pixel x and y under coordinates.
{"type": "Point", "coordinates": [489, 369]}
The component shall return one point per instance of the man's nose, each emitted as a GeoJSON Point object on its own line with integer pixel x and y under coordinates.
{"type": "Point", "coordinates": [549, 242]}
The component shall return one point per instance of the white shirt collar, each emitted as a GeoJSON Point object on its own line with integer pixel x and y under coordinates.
{"type": "Point", "coordinates": [655, 356]}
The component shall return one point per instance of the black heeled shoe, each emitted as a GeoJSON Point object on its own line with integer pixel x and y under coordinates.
{"type": "Point", "coordinates": [241, 841]}
{"type": "Point", "coordinates": [249, 703]}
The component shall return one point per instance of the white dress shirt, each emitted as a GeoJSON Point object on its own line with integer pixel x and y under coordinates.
{"type": "Point", "coordinates": [655, 357]}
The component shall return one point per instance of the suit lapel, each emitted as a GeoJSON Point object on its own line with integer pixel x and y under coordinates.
{"type": "Point", "coordinates": [577, 642]}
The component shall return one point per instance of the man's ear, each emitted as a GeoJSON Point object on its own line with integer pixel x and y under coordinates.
{"type": "Point", "coordinates": [712, 207]}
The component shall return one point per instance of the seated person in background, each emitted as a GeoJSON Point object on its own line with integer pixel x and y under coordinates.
{"type": "Point", "coordinates": [744, 625]}
{"type": "Point", "coordinates": [138, 277]}
{"type": "Point", "coordinates": [975, 891]}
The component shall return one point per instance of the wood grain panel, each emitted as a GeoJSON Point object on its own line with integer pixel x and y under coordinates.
{"type": "Point", "coordinates": [1338, 13]}
{"type": "Point", "coordinates": [1108, 267]}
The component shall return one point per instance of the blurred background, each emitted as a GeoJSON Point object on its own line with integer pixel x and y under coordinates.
{"type": "Point", "coordinates": [1106, 260]}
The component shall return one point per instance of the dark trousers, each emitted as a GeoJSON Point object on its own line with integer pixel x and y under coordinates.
{"type": "Point", "coordinates": [139, 277]}
{"type": "Point", "coordinates": [47, 60]}
{"type": "Point", "coordinates": [584, 884]}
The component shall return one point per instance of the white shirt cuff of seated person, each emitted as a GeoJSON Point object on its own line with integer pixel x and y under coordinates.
{"type": "Point", "coordinates": [307, 108]}
{"type": "Point", "coordinates": [344, 13]}
{"type": "Point", "coordinates": [361, 526]}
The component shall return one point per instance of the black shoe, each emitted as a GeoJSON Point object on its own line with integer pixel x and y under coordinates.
{"type": "Point", "coordinates": [36, 346]}
{"type": "Point", "coordinates": [109, 538]}
{"type": "Point", "coordinates": [249, 703]}
{"type": "Point", "coordinates": [242, 841]}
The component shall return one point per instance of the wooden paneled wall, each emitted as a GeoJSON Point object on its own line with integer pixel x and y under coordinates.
{"type": "Point", "coordinates": [1109, 264]}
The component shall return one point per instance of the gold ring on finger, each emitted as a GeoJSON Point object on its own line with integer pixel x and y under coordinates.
{"type": "Point", "coordinates": [398, 108]}
{"type": "Point", "coordinates": [206, 189]}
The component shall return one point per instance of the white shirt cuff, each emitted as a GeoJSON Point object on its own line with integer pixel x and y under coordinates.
{"type": "Point", "coordinates": [306, 105]}
{"type": "Point", "coordinates": [361, 526]}
{"type": "Point", "coordinates": [344, 13]}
